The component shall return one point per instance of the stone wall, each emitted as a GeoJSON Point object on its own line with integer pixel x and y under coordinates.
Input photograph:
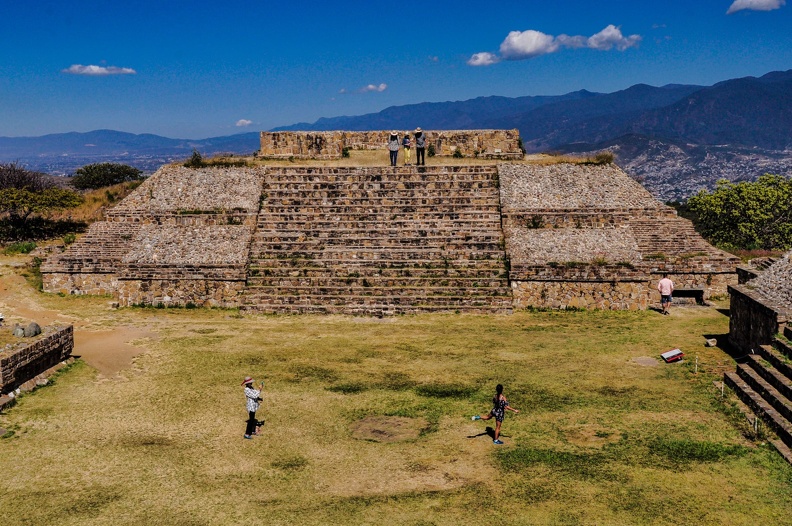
{"type": "Point", "coordinates": [487, 144]}
{"type": "Point", "coordinates": [170, 291]}
{"type": "Point", "coordinates": [754, 319]}
{"type": "Point", "coordinates": [762, 306]}
{"type": "Point", "coordinates": [21, 363]}
{"type": "Point", "coordinates": [606, 295]}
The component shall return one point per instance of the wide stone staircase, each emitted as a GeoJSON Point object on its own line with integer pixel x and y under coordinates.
{"type": "Point", "coordinates": [764, 383]}
{"type": "Point", "coordinates": [379, 241]}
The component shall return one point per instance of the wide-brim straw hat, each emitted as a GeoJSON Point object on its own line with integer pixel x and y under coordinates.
{"type": "Point", "coordinates": [418, 130]}
{"type": "Point", "coordinates": [248, 380]}
{"type": "Point", "coordinates": [394, 132]}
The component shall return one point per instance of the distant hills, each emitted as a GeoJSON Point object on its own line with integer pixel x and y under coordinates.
{"type": "Point", "coordinates": [675, 138]}
{"type": "Point", "coordinates": [62, 153]}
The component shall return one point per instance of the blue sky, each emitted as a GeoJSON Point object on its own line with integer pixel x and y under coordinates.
{"type": "Point", "coordinates": [202, 69]}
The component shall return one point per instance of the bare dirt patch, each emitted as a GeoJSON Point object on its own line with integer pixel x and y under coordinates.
{"type": "Point", "coordinates": [590, 435]}
{"type": "Point", "coordinates": [109, 351]}
{"type": "Point", "coordinates": [646, 361]}
{"type": "Point", "coordinates": [388, 428]}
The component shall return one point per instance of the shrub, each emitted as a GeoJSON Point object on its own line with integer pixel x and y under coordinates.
{"type": "Point", "coordinates": [99, 175]}
{"type": "Point", "coordinates": [430, 150]}
{"type": "Point", "coordinates": [69, 238]}
{"type": "Point", "coordinates": [345, 152]}
{"type": "Point", "coordinates": [195, 161]}
{"type": "Point", "coordinates": [604, 158]}
{"type": "Point", "coordinates": [23, 247]}
{"type": "Point", "coordinates": [457, 154]}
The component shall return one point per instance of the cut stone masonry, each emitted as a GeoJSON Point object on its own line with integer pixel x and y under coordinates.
{"type": "Point", "coordinates": [383, 240]}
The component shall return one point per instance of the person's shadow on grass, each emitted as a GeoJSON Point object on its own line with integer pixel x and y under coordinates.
{"type": "Point", "coordinates": [489, 431]}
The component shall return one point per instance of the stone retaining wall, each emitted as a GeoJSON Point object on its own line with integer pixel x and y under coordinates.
{"type": "Point", "coordinates": [487, 144]}
{"type": "Point", "coordinates": [180, 292]}
{"type": "Point", "coordinates": [22, 363]}
{"type": "Point", "coordinates": [606, 295]}
{"type": "Point", "coordinates": [754, 320]}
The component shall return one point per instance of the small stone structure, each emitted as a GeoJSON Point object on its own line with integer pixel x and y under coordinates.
{"type": "Point", "coordinates": [485, 144]}
{"type": "Point", "coordinates": [24, 361]}
{"type": "Point", "coordinates": [761, 307]}
{"type": "Point", "coordinates": [384, 240]}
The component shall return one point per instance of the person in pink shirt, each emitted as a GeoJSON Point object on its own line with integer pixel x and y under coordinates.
{"type": "Point", "coordinates": [666, 288]}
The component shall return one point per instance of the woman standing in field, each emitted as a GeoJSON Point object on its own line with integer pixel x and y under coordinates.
{"type": "Point", "coordinates": [500, 406]}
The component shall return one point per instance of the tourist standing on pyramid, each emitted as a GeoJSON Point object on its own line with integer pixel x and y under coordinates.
{"type": "Point", "coordinates": [666, 287]}
{"type": "Point", "coordinates": [500, 406]}
{"type": "Point", "coordinates": [393, 147]}
{"type": "Point", "coordinates": [252, 397]}
{"type": "Point", "coordinates": [420, 147]}
{"type": "Point", "coordinates": [406, 143]}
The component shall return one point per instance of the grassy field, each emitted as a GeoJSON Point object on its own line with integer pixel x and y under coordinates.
{"type": "Point", "coordinates": [368, 422]}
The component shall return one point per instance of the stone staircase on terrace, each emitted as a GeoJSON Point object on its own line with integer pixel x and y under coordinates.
{"type": "Point", "coordinates": [764, 383]}
{"type": "Point", "coordinates": [379, 241]}
{"type": "Point", "coordinates": [668, 236]}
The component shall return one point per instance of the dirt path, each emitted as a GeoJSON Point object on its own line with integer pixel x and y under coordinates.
{"type": "Point", "coordinates": [108, 351]}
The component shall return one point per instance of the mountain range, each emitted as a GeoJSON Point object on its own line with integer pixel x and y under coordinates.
{"type": "Point", "coordinates": [676, 138]}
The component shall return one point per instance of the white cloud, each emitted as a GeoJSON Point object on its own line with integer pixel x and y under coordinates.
{"type": "Point", "coordinates": [521, 45]}
{"type": "Point", "coordinates": [755, 5]}
{"type": "Point", "coordinates": [527, 44]}
{"type": "Point", "coordinates": [483, 59]}
{"type": "Point", "coordinates": [611, 37]}
{"type": "Point", "coordinates": [97, 71]}
{"type": "Point", "coordinates": [434, 58]}
{"type": "Point", "coordinates": [379, 88]}
{"type": "Point", "coordinates": [243, 122]}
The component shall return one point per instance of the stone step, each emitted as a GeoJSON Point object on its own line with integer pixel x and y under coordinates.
{"type": "Point", "coordinates": [370, 212]}
{"type": "Point", "coordinates": [372, 309]}
{"type": "Point", "coordinates": [760, 406]}
{"type": "Point", "coordinates": [772, 396]}
{"type": "Point", "coordinates": [384, 291]}
{"type": "Point", "coordinates": [406, 237]}
{"type": "Point", "coordinates": [344, 244]}
{"type": "Point", "coordinates": [783, 347]}
{"type": "Point", "coordinates": [290, 222]}
{"type": "Point", "coordinates": [788, 332]}
{"type": "Point", "coordinates": [771, 375]}
{"type": "Point", "coordinates": [322, 226]}
{"type": "Point", "coordinates": [373, 255]}
{"type": "Point", "coordinates": [347, 271]}
{"type": "Point", "coordinates": [776, 359]}
{"type": "Point", "coordinates": [422, 302]}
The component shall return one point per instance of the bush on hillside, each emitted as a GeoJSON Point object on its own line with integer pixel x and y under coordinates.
{"type": "Point", "coordinates": [195, 161]}
{"type": "Point", "coordinates": [99, 175]}
{"type": "Point", "coordinates": [746, 215]}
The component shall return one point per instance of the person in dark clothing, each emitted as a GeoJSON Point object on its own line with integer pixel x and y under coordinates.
{"type": "Point", "coordinates": [500, 406]}
{"type": "Point", "coordinates": [420, 147]}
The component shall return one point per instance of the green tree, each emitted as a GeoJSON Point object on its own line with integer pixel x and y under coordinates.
{"type": "Point", "coordinates": [20, 203]}
{"type": "Point", "coordinates": [746, 215]}
{"type": "Point", "coordinates": [24, 192]}
{"type": "Point", "coordinates": [99, 175]}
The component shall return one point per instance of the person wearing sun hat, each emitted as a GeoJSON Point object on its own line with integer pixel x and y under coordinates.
{"type": "Point", "coordinates": [420, 147]}
{"type": "Point", "coordinates": [253, 397]}
{"type": "Point", "coordinates": [393, 147]}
